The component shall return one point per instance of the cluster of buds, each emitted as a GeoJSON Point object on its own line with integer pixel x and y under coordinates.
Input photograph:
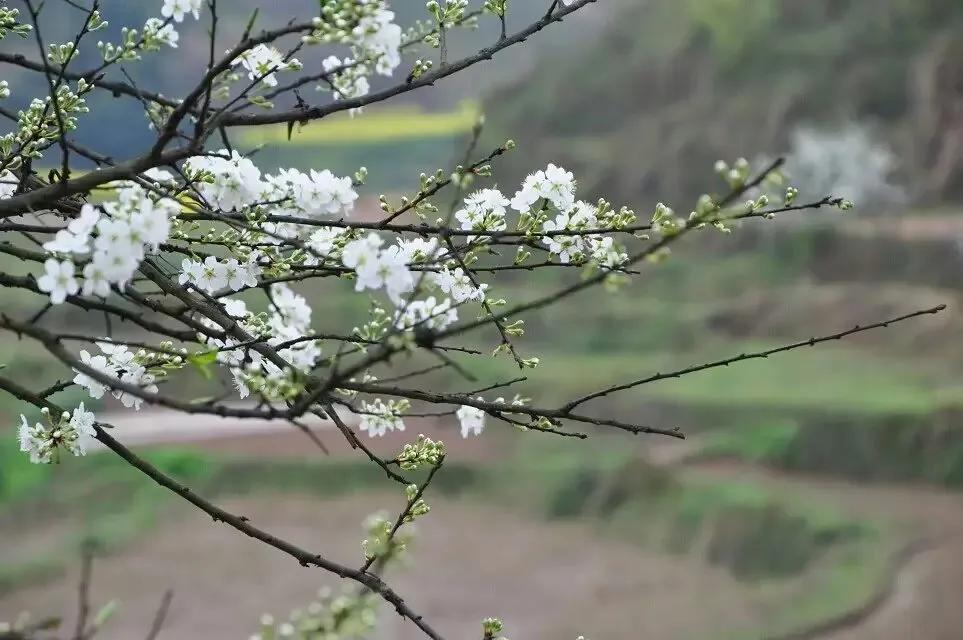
{"type": "Point", "coordinates": [424, 452]}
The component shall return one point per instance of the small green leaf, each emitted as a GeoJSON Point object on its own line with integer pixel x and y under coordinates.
{"type": "Point", "coordinates": [203, 361]}
{"type": "Point", "coordinates": [105, 614]}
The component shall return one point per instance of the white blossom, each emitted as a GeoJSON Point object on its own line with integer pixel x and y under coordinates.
{"type": "Point", "coordinates": [321, 192]}
{"type": "Point", "coordinates": [8, 184]}
{"type": "Point", "coordinates": [95, 388]}
{"type": "Point", "coordinates": [82, 422]}
{"type": "Point", "coordinates": [350, 81]}
{"type": "Point", "coordinates": [362, 255]}
{"type": "Point", "coordinates": [428, 313]}
{"type": "Point", "coordinates": [321, 242]}
{"type": "Point", "coordinates": [236, 274]}
{"type": "Point", "coordinates": [471, 419]}
{"type": "Point", "coordinates": [190, 271]}
{"type": "Point", "coordinates": [234, 307]}
{"type": "Point", "coordinates": [293, 308]}
{"type": "Point", "coordinates": [212, 275]}
{"type": "Point", "coordinates": [58, 280]}
{"type": "Point", "coordinates": [137, 376]}
{"type": "Point", "coordinates": [177, 9]}
{"type": "Point", "coordinates": [484, 210]}
{"type": "Point", "coordinates": [566, 247]}
{"type": "Point", "coordinates": [380, 37]}
{"type": "Point", "coordinates": [33, 440]}
{"type": "Point", "coordinates": [66, 242]}
{"type": "Point", "coordinates": [73, 432]}
{"type": "Point", "coordinates": [165, 33]}
{"type": "Point", "coordinates": [236, 180]}
{"type": "Point", "coordinates": [262, 61]}
{"type": "Point", "coordinates": [378, 419]}
{"type": "Point", "coordinates": [605, 253]}
{"type": "Point", "coordinates": [95, 280]}
{"type": "Point", "coordinates": [458, 285]}
{"type": "Point", "coordinates": [398, 279]}
{"type": "Point", "coordinates": [554, 184]}
{"type": "Point", "coordinates": [153, 221]}
{"type": "Point", "coordinates": [419, 249]}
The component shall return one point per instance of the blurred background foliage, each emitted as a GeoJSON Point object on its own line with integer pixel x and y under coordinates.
{"type": "Point", "coordinates": [669, 87]}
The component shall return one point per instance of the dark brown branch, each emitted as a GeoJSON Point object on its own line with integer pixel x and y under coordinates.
{"type": "Point", "coordinates": [239, 523]}
{"type": "Point", "coordinates": [160, 616]}
{"type": "Point", "coordinates": [428, 79]}
{"type": "Point", "coordinates": [725, 362]}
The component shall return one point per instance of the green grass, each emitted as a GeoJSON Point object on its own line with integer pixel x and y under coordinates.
{"type": "Point", "coordinates": [17, 475]}
{"type": "Point", "coordinates": [899, 448]}
{"type": "Point", "coordinates": [763, 441]}
{"type": "Point", "coordinates": [827, 379]}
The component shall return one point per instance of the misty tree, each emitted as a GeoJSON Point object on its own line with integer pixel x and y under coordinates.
{"type": "Point", "coordinates": [188, 257]}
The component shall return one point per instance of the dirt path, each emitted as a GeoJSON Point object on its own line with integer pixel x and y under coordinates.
{"type": "Point", "coordinates": [547, 580]}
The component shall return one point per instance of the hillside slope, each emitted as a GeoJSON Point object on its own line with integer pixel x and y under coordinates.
{"type": "Point", "coordinates": [673, 85]}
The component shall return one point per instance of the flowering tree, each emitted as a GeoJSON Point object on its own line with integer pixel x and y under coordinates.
{"type": "Point", "coordinates": [203, 254]}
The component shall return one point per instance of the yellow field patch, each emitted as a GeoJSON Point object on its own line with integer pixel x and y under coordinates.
{"type": "Point", "coordinates": [373, 126]}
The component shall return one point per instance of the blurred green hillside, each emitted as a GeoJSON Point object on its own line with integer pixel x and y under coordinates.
{"type": "Point", "coordinates": [673, 85]}
{"type": "Point", "coordinates": [642, 115]}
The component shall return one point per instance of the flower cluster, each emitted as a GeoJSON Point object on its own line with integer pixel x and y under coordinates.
{"type": "Point", "coordinates": [116, 361]}
{"type": "Point", "coordinates": [212, 274]}
{"type": "Point", "coordinates": [284, 329]}
{"type": "Point", "coordinates": [73, 432]}
{"type": "Point", "coordinates": [157, 33]}
{"type": "Point", "coordinates": [349, 79]}
{"type": "Point", "coordinates": [228, 181]}
{"type": "Point", "coordinates": [379, 38]}
{"type": "Point", "coordinates": [484, 211]}
{"type": "Point", "coordinates": [368, 28]}
{"type": "Point", "coordinates": [312, 194]}
{"type": "Point", "coordinates": [225, 180]}
{"type": "Point", "coordinates": [343, 613]}
{"type": "Point", "coordinates": [425, 283]}
{"type": "Point", "coordinates": [377, 267]}
{"type": "Point", "coordinates": [456, 283]}
{"type": "Point", "coordinates": [428, 313]}
{"type": "Point", "coordinates": [555, 187]}
{"type": "Point", "coordinates": [378, 417]}
{"type": "Point", "coordinates": [263, 61]}
{"type": "Point", "coordinates": [111, 243]}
